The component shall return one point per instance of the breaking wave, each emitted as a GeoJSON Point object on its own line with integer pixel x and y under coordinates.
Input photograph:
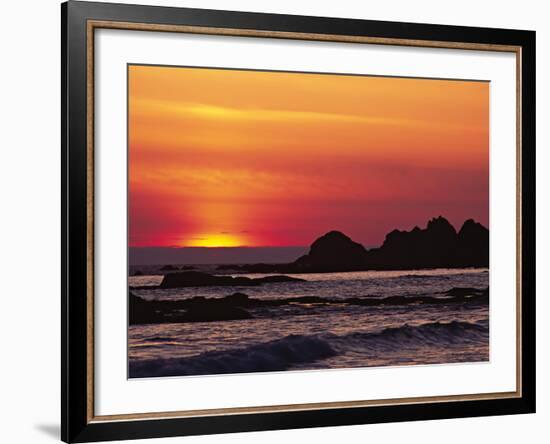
{"type": "Point", "coordinates": [282, 354]}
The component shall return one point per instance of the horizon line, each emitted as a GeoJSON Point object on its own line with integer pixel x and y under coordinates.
{"type": "Point", "coordinates": [226, 247]}
{"type": "Point", "coordinates": [307, 246]}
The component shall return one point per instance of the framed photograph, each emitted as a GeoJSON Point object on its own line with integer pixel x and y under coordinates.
{"type": "Point", "coordinates": [275, 221]}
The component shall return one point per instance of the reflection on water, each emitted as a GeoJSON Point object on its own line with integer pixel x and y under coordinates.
{"type": "Point", "coordinates": [308, 336]}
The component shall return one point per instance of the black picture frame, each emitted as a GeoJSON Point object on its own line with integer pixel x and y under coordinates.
{"type": "Point", "coordinates": [76, 423]}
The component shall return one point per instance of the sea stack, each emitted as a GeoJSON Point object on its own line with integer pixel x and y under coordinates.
{"type": "Point", "coordinates": [334, 251]}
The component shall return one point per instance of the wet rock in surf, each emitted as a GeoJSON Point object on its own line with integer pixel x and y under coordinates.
{"type": "Point", "coordinates": [158, 312]}
{"type": "Point", "coordinates": [199, 279]}
{"type": "Point", "coordinates": [237, 299]}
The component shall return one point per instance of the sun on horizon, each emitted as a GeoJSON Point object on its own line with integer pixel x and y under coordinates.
{"type": "Point", "coordinates": [234, 158]}
{"type": "Point", "coordinates": [215, 240]}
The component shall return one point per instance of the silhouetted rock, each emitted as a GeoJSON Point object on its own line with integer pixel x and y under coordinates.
{"type": "Point", "coordinates": [187, 268]}
{"type": "Point", "coordinates": [276, 279]}
{"type": "Point", "coordinates": [473, 245]}
{"type": "Point", "coordinates": [189, 279]}
{"type": "Point", "coordinates": [432, 247]}
{"type": "Point", "coordinates": [137, 273]}
{"type": "Point", "coordinates": [436, 246]}
{"type": "Point", "coordinates": [168, 268]}
{"type": "Point", "coordinates": [236, 305]}
{"type": "Point", "coordinates": [199, 279]}
{"type": "Point", "coordinates": [195, 310]}
{"type": "Point", "coordinates": [462, 291]}
{"type": "Point", "coordinates": [141, 311]}
{"type": "Point", "coordinates": [333, 251]}
{"type": "Point", "coordinates": [237, 299]}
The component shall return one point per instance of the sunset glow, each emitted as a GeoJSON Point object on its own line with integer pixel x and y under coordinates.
{"type": "Point", "coordinates": [215, 240]}
{"type": "Point", "coordinates": [224, 158]}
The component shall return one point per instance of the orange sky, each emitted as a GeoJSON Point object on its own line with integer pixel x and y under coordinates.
{"type": "Point", "coordinates": [230, 158]}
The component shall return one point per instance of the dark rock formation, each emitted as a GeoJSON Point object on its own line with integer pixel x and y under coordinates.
{"type": "Point", "coordinates": [194, 310]}
{"type": "Point", "coordinates": [168, 268]}
{"type": "Point", "coordinates": [432, 247]}
{"type": "Point", "coordinates": [436, 246]}
{"type": "Point", "coordinates": [239, 299]}
{"type": "Point", "coordinates": [199, 279]}
{"type": "Point", "coordinates": [334, 251]}
{"type": "Point", "coordinates": [236, 305]}
{"type": "Point", "coordinates": [137, 273]}
{"type": "Point", "coordinates": [473, 245]}
{"type": "Point", "coordinates": [141, 311]}
{"type": "Point", "coordinates": [273, 279]}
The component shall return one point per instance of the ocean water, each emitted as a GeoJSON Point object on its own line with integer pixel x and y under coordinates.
{"type": "Point", "coordinates": [302, 336]}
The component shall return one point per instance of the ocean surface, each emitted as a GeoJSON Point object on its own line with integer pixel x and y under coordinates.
{"type": "Point", "coordinates": [302, 336]}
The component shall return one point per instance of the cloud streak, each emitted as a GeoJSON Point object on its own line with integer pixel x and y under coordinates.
{"type": "Point", "coordinates": [231, 158]}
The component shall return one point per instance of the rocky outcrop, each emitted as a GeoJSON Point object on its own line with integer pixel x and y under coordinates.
{"type": "Point", "coordinates": [436, 246]}
{"type": "Point", "coordinates": [432, 247]}
{"type": "Point", "coordinates": [473, 245]}
{"type": "Point", "coordinates": [193, 310]}
{"type": "Point", "coordinates": [199, 279]}
{"type": "Point", "coordinates": [332, 252]}
{"type": "Point", "coordinates": [238, 306]}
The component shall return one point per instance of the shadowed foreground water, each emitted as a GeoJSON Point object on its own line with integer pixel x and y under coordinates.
{"type": "Point", "coordinates": [301, 336]}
